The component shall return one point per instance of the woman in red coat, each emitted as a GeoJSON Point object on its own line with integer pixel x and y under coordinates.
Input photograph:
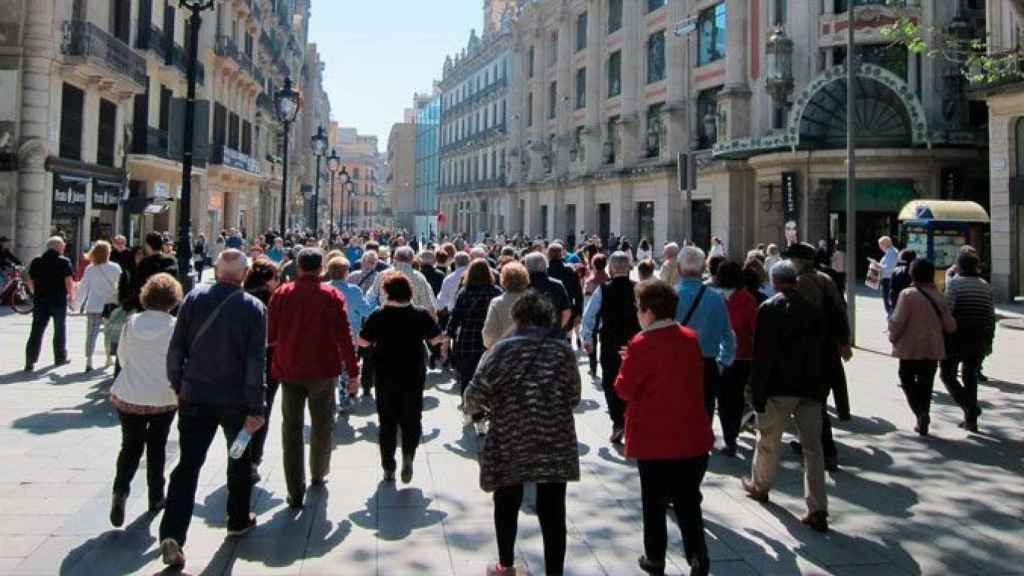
{"type": "Point", "coordinates": [743, 318]}
{"type": "Point", "coordinates": [668, 430]}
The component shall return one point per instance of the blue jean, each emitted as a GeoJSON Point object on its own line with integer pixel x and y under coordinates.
{"type": "Point", "coordinates": [41, 316]}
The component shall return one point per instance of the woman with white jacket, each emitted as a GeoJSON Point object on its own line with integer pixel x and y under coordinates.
{"type": "Point", "coordinates": [97, 289]}
{"type": "Point", "coordinates": [142, 393]}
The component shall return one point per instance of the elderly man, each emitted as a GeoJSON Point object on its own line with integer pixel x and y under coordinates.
{"type": "Point", "coordinates": [422, 293]}
{"type": "Point", "coordinates": [450, 286]}
{"type": "Point", "coordinates": [669, 272]}
{"type": "Point", "coordinates": [312, 341]}
{"type": "Point", "coordinates": [366, 276]}
{"type": "Point", "coordinates": [890, 258]}
{"type": "Point", "coordinates": [611, 310]}
{"type": "Point", "coordinates": [558, 270]}
{"type": "Point", "coordinates": [215, 363]}
{"type": "Point", "coordinates": [703, 309]}
{"type": "Point", "coordinates": [51, 279]}
{"type": "Point", "coordinates": [551, 288]}
{"type": "Point", "coordinates": [428, 267]}
{"type": "Point", "coordinates": [787, 382]}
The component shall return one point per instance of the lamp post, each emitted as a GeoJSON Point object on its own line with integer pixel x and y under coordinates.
{"type": "Point", "coordinates": [344, 178]}
{"type": "Point", "coordinates": [196, 7]}
{"type": "Point", "coordinates": [349, 188]}
{"type": "Point", "coordinates": [319, 142]}
{"type": "Point", "coordinates": [851, 173]}
{"type": "Point", "coordinates": [286, 104]}
{"type": "Point", "coordinates": [333, 162]}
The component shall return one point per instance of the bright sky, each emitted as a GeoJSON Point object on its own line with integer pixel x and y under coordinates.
{"type": "Point", "coordinates": [379, 52]}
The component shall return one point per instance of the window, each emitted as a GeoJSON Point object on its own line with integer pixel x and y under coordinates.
{"type": "Point", "coordinates": [246, 138]}
{"type": "Point", "coordinates": [581, 32]}
{"type": "Point", "coordinates": [72, 101]}
{"type": "Point", "coordinates": [711, 37]}
{"type": "Point", "coordinates": [656, 57]}
{"type": "Point", "coordinates": [707, 103]}
{"type": "Point", "coordinates": [220, 124]}
{"type": "Point", "coordinates": [121, 15]}
{"type": "Point", "coordinates": [615, 74]}
{"type": "Point", "coordinates": [892, 57]}
{"type": "Point", "coordinates": [653, 5]}
{"type": "Point", "coordinates": [779, 13]}
{"type": "Point", "coordinates": [552, 100]}
{"type": "Point", "coordinates": [107, 133]}
{"type": "Point", "coordinates": [529, 63]}
{"type": "Point", "coordinates": [553, 48]}
{"type": "Point", "coordinates": [233, 131]}
{"type": "Point", "coordinates": [654, 131]}
{"type": "Point", "coordinates": [165, 108]}
{"type": "Point", "coordinates": [581, 88]}
{"type": "Point", "coordinates": [529, 109]}
{"type": "Point", "coordinates": [612, 140]}
{"type": "Point", "coordinates": [843, 5]}
{"type": "Point", "coordinates": [614, 16]}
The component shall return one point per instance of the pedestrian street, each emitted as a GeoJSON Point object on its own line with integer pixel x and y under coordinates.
{"type": "Point", "coordinates": [900, 504]}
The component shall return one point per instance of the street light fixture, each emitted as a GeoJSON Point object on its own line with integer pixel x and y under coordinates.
{"type": "Point", "coordinates": [319, 142]}
{"type": "Point", "coordinates": [333, 163]}
{"type": "Point", "coordinates": [344, 178]}
{"type": "Point", "coordinates": [196, 7]}
{"type": "Point", "coordinates": [286, 104]}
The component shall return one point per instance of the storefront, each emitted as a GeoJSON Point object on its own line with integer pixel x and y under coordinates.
{"type": "Point", "coordinates": [68, 213]}
{"type": "Point", "coordinates": [106, 197]}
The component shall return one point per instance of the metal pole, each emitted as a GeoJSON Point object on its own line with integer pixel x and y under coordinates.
{"type": "Point", "coordinates": [316, 198]}
{"type": "Point", "coordinates": [284, 183]}
{"type": "Point", "coordinates": [330, 229]}
{"type": "Point", "coordinates": [851, 174]}
{"type": "Point", "coordinates": [185, 202]}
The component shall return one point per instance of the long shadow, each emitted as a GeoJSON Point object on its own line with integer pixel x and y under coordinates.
{"type": "Point", "coordinates": [120, 551]}
{"type": "Point", "coordinates": [95, 412]}
{"type": "Point", "coordinates": [396, 524]}
{"type": "Point", "coordinates": [468, 445]}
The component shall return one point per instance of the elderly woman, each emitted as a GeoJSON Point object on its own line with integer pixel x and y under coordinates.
{"type": "Point", "coordinates": [466, 324]}
{"type": "Point", "coordinates": [917, 330]}
{"type": "Point", "coordinates": [262, 280]}
{"type": "Point", "coordinates": [98, 292]}
{"type": "Point", "coordinates": [142, 394]}
{"type": "Point", "coordinates": [667, 430]}
{"type": "Point", "coordinates": [356, 306]}
{"type": "Point", "coordinates": [499, 323]}
{"type": "Point", "coordinates": [528, 385]}
{"type": "Point", "coordinates": [398, 330]}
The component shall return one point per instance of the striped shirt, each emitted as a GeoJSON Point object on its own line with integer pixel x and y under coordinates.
{"type": "Point", "coordinates": [970, 299]}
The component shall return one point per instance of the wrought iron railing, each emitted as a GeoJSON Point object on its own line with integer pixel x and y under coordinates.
{"type": "Point", "coordinates": [86, 40]}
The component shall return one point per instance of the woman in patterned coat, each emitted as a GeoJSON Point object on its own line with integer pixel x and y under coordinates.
{"type": "Point", "coordinates": [528, 386]}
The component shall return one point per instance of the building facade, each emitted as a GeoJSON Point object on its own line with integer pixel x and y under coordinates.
{"type": "Point", "coordinates": [316, 114]}
{"type": "Point", "coordinates": [428, 168]}
{"type": "Point", "coordinates": [400, 174]}
{"type": "Point", "coordinates": [362, 204]}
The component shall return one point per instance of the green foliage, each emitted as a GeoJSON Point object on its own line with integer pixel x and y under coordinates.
{"type": "Point", "coordinates": [970, 54]}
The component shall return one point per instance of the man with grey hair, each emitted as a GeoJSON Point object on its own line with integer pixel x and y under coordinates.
{"type": "Point", "coordinates": [368, 271]}
{"type": "Point", "coordinates": [787, 382]}
{"type": "Point", "coordinates": [703, 309]}
{"type": "Point", "coordinates": [422, 293]}
{"type": "Point", "coordinates": [450, 286]}
{"type": "Point", "coordinates": [669, 272]}
{"type": "Point", "coordinates": [428, 267]}
{"type": "Point", "coordinates": [558, 270]}
{"type": "Point", "coordinates": [216, 362]}
{"type": "Point", "coordinates": [51, 279]}
{"type": "Point", "coordinates": [611, 310]}
{"type": "Point", "coordinates": [552, 288]}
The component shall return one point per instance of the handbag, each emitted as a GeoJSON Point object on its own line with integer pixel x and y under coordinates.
{"type": "Point", "coordinates": [108, 308]}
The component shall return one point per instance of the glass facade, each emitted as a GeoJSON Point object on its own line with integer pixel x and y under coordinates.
{"type": "Point", "coordinates": [428, 168]}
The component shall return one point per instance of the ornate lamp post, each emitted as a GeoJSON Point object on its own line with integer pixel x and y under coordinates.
{"type": "Point", "coordinates": [196, 7]}
{"type": "Point", "coordinates": [349, 188]}
{"type": "Point", "coordinates": [286, 104]}
{"type": "Point", "coordinates": [333, 162]}
{"type": "Point", "coordinates": [319, 142]}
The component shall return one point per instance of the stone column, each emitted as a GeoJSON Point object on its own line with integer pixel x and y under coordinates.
{"type": "Point", "coordinates": [586, 211]}
{"type": "Point", "coordinates": [566, 77]}
{"type": "Point", "coordinates": [734, 99]}
{"type": "Point", "coordinates": [630, 147]}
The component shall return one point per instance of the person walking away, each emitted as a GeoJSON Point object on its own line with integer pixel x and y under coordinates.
{"type": "Point", "coordinates": [703, 309]}
{"type": "Point", "coordinates": [970, 300]}
{"type": "Point", "coordinates": [786, 382]}
{"type": "Point", "coordinates": [51, 280]}
{"type": "Point", "coordinates": [667, 429]}
{"type": "Point", "coordinates": [598, 277]}
{"type": "Point", "coordinates": [611, 314]}
{"type": "Point", "coordinates": [901, 279]}
{"type": "Point", "coordinates": [890, 257]}
{"type": "Point", "coordinates": [499, 323]}
{"type": "Point", "coordinates": [143, 396]}
{"type": "Point", "coordinates": [643, 250]}
{"type": "Point", "coordinates": [422, 293]}
{"type": "Point", "coordinates": [277, 252]}
{"type": "Point", "coordinates": [551, 288]}
{"type": "Point", "coordinates": [567, 276]}
{"type": "Point", "coordinates": [215, 363]}
{"type": "Point", "coordinates": [466, 325]}
{"type": "Point", "coordinates": [917, 331]}
{"type": "Point", "coordinates": [398, 330]}
{"type": "Point", "coordinates": [743, 318]}
{"type": "Point", "coordinates": [98, 293]}
{"type": "Point", "coordinates": [528, 387]}
{"type": "Point", "coordinates": [669, 271]}
{"type": "Point", "coordinates": [261, 282]}
{"type": "Point", "coordinates": [357, 309]}
{"type": "Point", "coordinates": [435, 277]}
{"type": "Point", "coordinates": [645, 269]}
{"type": "Point", "coordinates": [154, 262]}
{"type": "Point", "coordinates": [772, 257]}
{"type": "Point", "coordinates": [199, 256]}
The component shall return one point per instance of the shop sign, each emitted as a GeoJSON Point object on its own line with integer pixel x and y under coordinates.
{"type": "Point", "coordinates": [68, 195]}
{"type": "Point", "coordinates": [236, 159]}
{"type": "Point", "coordinates": [105, 195]}
{"type": "Point", "coordinates": [790, 196]}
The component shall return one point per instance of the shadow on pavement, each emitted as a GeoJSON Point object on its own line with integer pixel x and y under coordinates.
{"type": "Point", "coordinates": [95, 412]}
{"type": "Point", "coordinates": [395, 524]}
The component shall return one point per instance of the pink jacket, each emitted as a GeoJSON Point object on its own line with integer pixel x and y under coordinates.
{"type": "Point", "coordinates": [915, 330]}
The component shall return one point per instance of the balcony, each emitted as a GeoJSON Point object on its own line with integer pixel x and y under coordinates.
{"type": "Point", "coordinates": [86, 41]}
{"type": "Point", "coordinates": [149, 141]}
{"type": "Point", "coordinates": [170, 54]}
{"type": "Point", "coordinates": [224, 156]}
{"type": "Point", "coordinates": [227, 48]}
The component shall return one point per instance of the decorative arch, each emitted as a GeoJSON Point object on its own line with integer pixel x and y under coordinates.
{"type": "Point", "coordinates": [891, 113]}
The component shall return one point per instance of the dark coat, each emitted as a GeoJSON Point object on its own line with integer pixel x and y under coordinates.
{"type": "Point", "coordinates": [789, 328]}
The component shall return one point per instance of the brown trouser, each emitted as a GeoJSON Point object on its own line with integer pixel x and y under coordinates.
{"type": "Point", "coordinates": [771, 425]}
{"type": "Point", "coordinates": [294, 395]}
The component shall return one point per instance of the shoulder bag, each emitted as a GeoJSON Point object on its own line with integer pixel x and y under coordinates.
{"type": "Point", "coordinates": [205, 326]}
{"type": "Point", "coordinates": [696, 303]}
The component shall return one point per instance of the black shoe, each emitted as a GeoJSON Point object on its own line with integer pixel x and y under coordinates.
{"type": "Point", "coordinates": [618, 434]}
{"type": "Point", "coordinates": [62, 362]}
{"type": "Point", "coordinates": [969, 425]}
{"type": "Point", "coordinates": [832, 463]}
{"type": "Point", "coordinates": [406, 470]}
{"type": "Point", "coordinates": [796, 447]}
{"type": "Point", "coordinates": [318, 482]}
{"type": "Point", "coordinates": [922, 425]}
{"type": "Point", "coordinates": [295, 503]}
{"type": "Point", "coordinates": [982, 377]}
{"type": "Point", "coordinates": [389, 474]}
{"type": "Point", "coordinates": [117, 510]}
{"type": "Point", "coordinates": [729, 451]}
{"type": "Point", "coordinates": [157, 505]}
{"type": "Point", "coordinates": [700, 565]}
{"type": "Point", "coordinates": [845, 417]}
{"type": "Point", "coordinates": [30, 367]}
{"type": "Point", "coordinates": [243, 530]}
{"type": "Point", "coordinates": [650, 567]}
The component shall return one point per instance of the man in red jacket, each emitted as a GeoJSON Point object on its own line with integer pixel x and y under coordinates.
{"type": "Point", "coordinates": [312, 343]}
{"type": "Point", "coordinates": [668, 429]}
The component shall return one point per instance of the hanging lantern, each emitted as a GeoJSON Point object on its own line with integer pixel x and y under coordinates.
{"type": "Point", "coordinates": [779, 79]}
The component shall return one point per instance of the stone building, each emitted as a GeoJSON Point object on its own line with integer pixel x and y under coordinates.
{"type": "Point", "coordinates": [361, 206]}
{"type": "Point", "coordinates": [315, 114]}
{"type": "Point", "coordinates": [400, 174]}
{"type": "Point", "coordinates": [428, 168]}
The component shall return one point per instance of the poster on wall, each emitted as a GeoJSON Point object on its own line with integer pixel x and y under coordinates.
{"type": "Point", "coordinates": [791, 207]}
{"type": "Point", "coordinates": [69, 195]}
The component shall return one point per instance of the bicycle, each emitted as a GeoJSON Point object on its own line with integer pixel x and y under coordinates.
{"type": "Point", "coordinates": [16, 294]}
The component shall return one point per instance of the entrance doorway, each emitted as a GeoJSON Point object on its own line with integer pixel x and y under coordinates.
{"type": "Point", "coordinates": [604, 222]}
{"type": "Point", "coordinates": [878, 206]}
{"type": "Point", "coordinates": [701, 223]}
{"type": "Point", "coordinates": [645, 222]}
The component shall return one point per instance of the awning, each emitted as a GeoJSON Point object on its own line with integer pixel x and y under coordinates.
{"type": "Point", "coordinates": [944, 210]}
{"type": "Point", "coordinates": [156, 208]}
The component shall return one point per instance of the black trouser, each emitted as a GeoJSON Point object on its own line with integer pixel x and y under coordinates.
{"type": "Point", "coordinates": [712, 382]}
{"type": "Point", "coordinates": [918, 379]}
{"type": "Point", "coordinates": [610, 363]}
{"type": "Point", "coordinates": [143, 432]}
{"type": "Point", "coordinates": [886, 289]}
{"type": "Point", "coordinates": [259, 439]}
{"type": "Point", "coordinates": [966, 394]}
{"type": "Point", "coordinates": [197, 427]}
{"type": "Point", "coordinates": [732, 399]}
{"type": "Point", "coordinates": [368, 377]}
{"type": "Point", "coordinates": [828, 443]}
{"type": "Point", "coordinates": [41, 315]}
{"type": "Point", "coordinates": [466, 368]}
{"type": "Point", "coordinates": [678, 482]}
{"type": "Point", "coordinates": [592, 355]}
{"type": "Point", "coordinates": [840, 391]}
{"type": "Point", "coordinates": [399, 403]}
{"type": "Point", "coordinates": [550, 513]}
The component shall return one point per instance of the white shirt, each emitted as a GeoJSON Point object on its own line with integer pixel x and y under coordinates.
{"type": "Point", "coordinates": [98, 287]}
{"type": "Point", "coordinates": [422, 293]}
{"type": "Point", "coordinates": [450, 289]}
{"type": "Point", "coordinates": [142, 352]}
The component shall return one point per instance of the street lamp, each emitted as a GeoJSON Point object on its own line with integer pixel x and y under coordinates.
{"type": "Point", "coordinates": [319, 142]}
{"type": "Point", "coordinates": [196, 7]}
{"type": "Point", "coordinates": [344, 178]}
{"type": "Point", "coordinates": [286, 104]}
{"type": "Point", "coordinates": [349, 188]}
{"type": "Point", "coordinates": [333, 162]}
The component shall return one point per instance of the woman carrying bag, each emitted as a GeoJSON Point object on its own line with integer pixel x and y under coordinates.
{"type": "Point", "coordinates": [98, 293]}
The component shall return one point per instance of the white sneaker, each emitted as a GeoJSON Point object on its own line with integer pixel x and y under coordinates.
{"type": "Point", "coordinates": [171, 553]}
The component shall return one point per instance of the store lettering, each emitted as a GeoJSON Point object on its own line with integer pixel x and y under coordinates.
{"type": "Point", "coordinates": [69, 196]}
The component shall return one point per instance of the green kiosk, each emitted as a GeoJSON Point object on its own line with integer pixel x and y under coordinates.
{"type": "Point", "coordinates": [937, 229]}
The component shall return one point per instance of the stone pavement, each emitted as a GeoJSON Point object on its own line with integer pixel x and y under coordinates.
{"type": "Point", "coordinates": [901, 505]}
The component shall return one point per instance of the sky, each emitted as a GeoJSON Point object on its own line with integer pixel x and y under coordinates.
{"type": "Point", "coordinates": [377, 53]}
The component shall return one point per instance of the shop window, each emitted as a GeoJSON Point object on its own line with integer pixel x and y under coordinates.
{"type": "Point", "coordinates": [712, 35]}
{"type": "Point", "coordinates": [107, 133]}
{"type": "Point", "coordinates": [615, 74]}
{"type": "Point", "coordinates": [72, 102]}
{"type": "Point", "coordinates": [656, 57]}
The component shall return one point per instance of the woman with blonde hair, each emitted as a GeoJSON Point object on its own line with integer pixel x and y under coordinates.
{"type": "Point", "coordinates": [98, 293]}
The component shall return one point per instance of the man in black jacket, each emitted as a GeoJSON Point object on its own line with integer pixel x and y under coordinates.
{"type": "Point", "coordinates": [154, 262]}
{"type": "Point", "coordinates": [558, 270]}
{"type": "Point", "coordinates": [786, 381]}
